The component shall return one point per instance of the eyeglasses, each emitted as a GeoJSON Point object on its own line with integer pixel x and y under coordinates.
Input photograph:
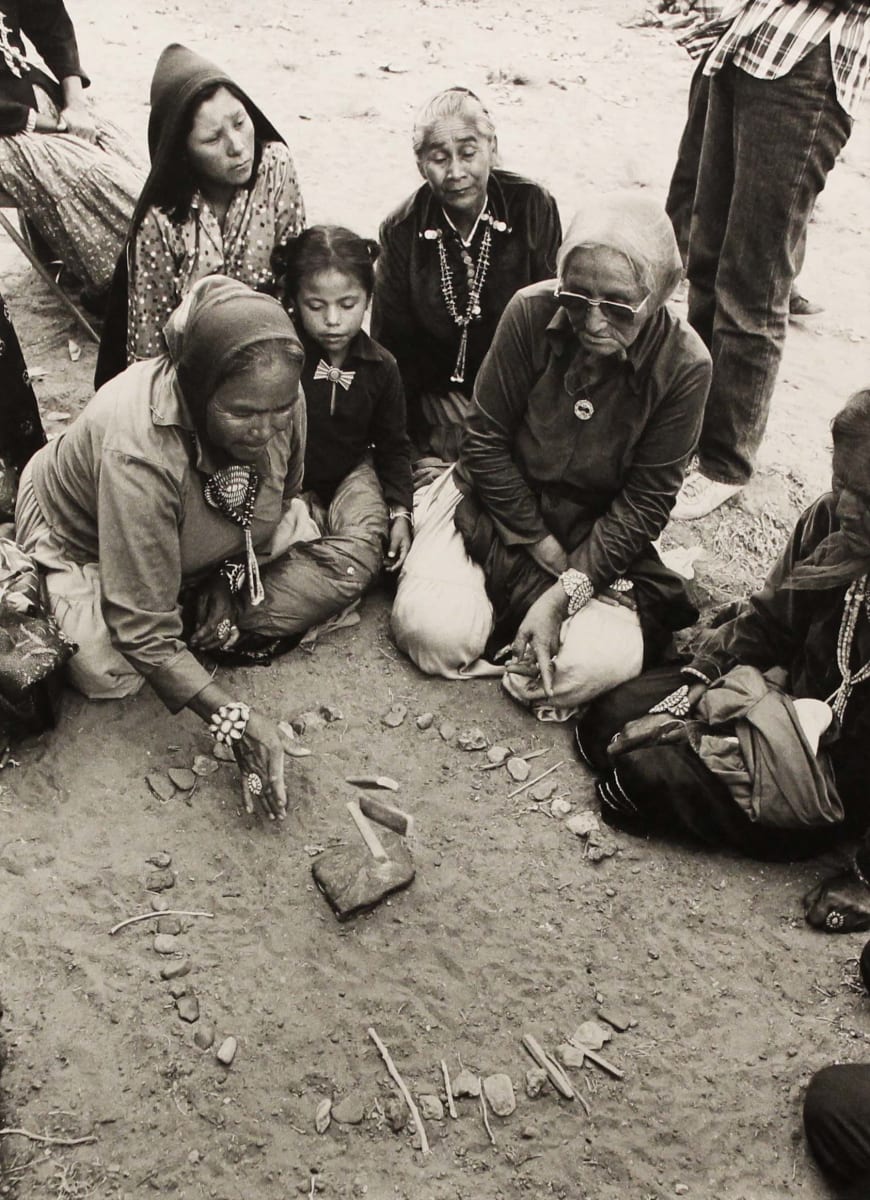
{"type": "Point", "coordinates": [612, 310]}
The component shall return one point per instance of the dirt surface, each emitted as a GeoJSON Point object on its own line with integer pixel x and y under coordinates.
{"type": "Point", "coordinates": [508, 927]}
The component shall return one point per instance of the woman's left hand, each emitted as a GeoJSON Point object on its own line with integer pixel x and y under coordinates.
{"type": "Point", "coordinates": [400, 544]}
{"type": "Point", "coordinates": [216, 627]}
{"type": "Point", "coordinates": [260, 754]}
{"type": "Point", "coordinates": [79, 122]}
{"type": "Point", "coordinates": [537, 639]}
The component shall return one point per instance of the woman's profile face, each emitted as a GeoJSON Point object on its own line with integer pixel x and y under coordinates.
{"type": "Point", "coordinates": [603, 274]}
{"type": "Point", "coordinates": [221, 142]}
{"type": "Point", "coordinates": [851, 484]}
{"type": "Point", "coordinates": [247, 411]}
{"type": "Point", "coordinates": [455, 161]}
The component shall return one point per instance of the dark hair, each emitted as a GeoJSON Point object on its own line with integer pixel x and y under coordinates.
{"type": "Point", "coordinates": [324, 248]}
{"type": "Point", "coordinates": [175, 190]}
{"type": "Point", "coordinates": [852, 422]}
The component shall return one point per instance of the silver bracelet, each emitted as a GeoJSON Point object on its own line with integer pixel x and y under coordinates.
{"type": "Point", "coordinates": [578, 588]}
{"type": "Point", "coordinates": [229, 723]}
{"type": "Point", "coordinates": [698, 675]}
{"type": "Point", "coordinates": [234, 574]}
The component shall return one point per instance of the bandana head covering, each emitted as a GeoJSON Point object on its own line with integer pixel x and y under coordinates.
{"type": "Point", "coordinates": [218, 319]}
{"type": "Point", "coordinates": [638, 228]}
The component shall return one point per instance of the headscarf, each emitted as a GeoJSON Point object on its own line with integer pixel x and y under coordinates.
{"type": "Point", "coordinates": [179, 80]}
{"type": "Point", "coordinates": [636, 226]}
{"type": "Point", "coordinates": [218, 319]}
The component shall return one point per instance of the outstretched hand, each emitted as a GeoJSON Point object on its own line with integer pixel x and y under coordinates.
{"type": "Point", "coordinates": [260, 754]}
{"type": "Point", "coordinates": [537, 640]}
{"type": "Point", "coordinates": [400, 544]}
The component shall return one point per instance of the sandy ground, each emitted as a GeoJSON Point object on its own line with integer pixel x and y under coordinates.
{"type": "Point", "coordinates": [508, 927]}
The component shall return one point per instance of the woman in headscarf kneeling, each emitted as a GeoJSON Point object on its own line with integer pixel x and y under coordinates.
{"type": "Point", "coordinates": [586, 412]}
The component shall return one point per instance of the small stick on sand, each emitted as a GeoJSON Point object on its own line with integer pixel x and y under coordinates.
{"type": "Point", "coordinates": [531, 782]}
{"type": "Point", "coordinates": [49, 1141]}
{"type": "Point", "coordinates": [169, 912]}
{"type": "Point", "coordinates": [451, 1107]}
{"type": "Point", "coordinates": [484, 1113]}
{"type": "Point", "coordinates": [603, 1063]}
{"type": "Point", "coordinates": [534, 754]}
{"type": "Point", "coordinates": [558, 1078]}
{"type": "Point", "coordinates": [403, 1088]}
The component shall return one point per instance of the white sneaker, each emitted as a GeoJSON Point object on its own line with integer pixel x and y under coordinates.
{"type": "Point", "coordinates": [699, 496]}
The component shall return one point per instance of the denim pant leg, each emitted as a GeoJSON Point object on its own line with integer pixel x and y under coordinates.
{"type": "Point", "coordinates": [768, 148]}
{"type": "Point", "coordinates": [681, 193]}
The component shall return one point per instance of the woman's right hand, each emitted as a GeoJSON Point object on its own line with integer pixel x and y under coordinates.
{"type": "Point", "coordinates": [537, 640]}
{"type": "Point", "coordinates": [427, 470]}
{"type": "Point", "coordinates": [549, 555]}
{"type": "Point", "coordinates": [260, 754]}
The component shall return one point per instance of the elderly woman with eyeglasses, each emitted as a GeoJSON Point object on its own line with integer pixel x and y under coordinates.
{"type": "Point", "coordinates": [586, 412]}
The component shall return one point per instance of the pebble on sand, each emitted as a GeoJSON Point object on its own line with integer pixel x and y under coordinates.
{"type": "Point", "coordinates": [222, 752]}
{"type": "Point", "coordinates": [393, 718]}
{"type": "Point", "coordinates": [165, 943]}
{"type": "Point", "coordinates": [431, 1108]}
{"type": "Point", "coordinates": [466, 1084]}
{"type": "Point", "coordinates": [203, 1038]}
{"type": "Point", "coordinates": [227, 1051]}
{"type": "Point", "coordinates": [161, 786]}
{"type": "Point", "coordinates": [472, 739]}
{"type": "Point", "coordinates": [160, 881]}
{"type": "Point", "coordinates": [323, 1115]}
{"type": "Point", "coordinates": [447, 731]}
{"type": "Point", "coordinates": [425, 720]}
{"type": "Point", "coordinates": [518, 769]}
{"type": "Point", "coordinates": [178, 988]}
{"type": "Point", "coordinates": [590, 1035]}
{"type": "Point", "coordinates": [169, 925]}
{"type": "Point", "coordinates": [583, 823]}
{"type": "Point", "coordinates": [396, 1113]}
{"type": "Point", "coordinates": [175, 970]}
{"type": "Point", "coordinates": [618, 1017]}
{"type": "Point", "coordinates": [498, 754]}
{"type": "Point", "coordinates": [349, 1111]}
{"type": "Point", "coordinates": [499, 1093]}
{"type": "Point", "coordinates": [203, 765]}
{"type": "Point", "coordinates": [188, 1008]}
{"type": "Point", "coordinates": [161, 859]}
{"type": "Point", "coordinates": [536, 1082]}
{"type": "Point", "coordinates": [183, 778]}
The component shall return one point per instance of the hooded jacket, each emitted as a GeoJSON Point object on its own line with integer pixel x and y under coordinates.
{"type": "Point", "coordinates": [180, 79]}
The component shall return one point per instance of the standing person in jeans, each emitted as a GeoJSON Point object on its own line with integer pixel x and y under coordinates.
{"type": "Point", "coordinates": [785, 82]}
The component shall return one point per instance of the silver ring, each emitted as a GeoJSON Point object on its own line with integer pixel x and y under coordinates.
{"type": "Point", "coordinates": [254, 782]}
{"type": "Point", "coordinates": [224, 629]}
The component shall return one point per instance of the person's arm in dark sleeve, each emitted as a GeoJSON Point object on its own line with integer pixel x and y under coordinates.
{"type": "Point", "coordinates": [501, 393]}
{"type": "Point", "coordinates": [392, 446]}
{"type": "Point", "coordinates": [138, 516]}
{"type": "Point", "coordinates": [772, 623]}
{"type": "Point", "coordinates": [47, 24]}
{"type": "Point", "coordinates": [393, 323]}
{"type": "Point", "coordinates": [640, 511]}
{"type": "Point", "coordinates": [13, 117]}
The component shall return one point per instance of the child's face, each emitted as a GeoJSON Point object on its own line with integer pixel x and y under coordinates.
{"type": "Point", "coordinates": [331, 306]}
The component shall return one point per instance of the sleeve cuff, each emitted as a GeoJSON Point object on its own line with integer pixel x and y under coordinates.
{"type": "Point", "coordinates": [179, 680]}
{"type": "Point", "coordinates": [30, 123]}
{"type": "Point", "coordinates": [705, 668]}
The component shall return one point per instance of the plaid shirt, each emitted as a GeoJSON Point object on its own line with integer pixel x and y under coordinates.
{"type": "Point", "coordinates": [767, 38]}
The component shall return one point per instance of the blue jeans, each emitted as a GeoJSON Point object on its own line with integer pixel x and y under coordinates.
{"type": "Point", "coordinates": [768, 147]}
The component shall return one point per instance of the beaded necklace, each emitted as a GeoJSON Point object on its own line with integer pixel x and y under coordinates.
{"type": "Point", "coordinates": [856, 600]}
{"type": "Point", "coordinates": [233, 492]}
{"type": "Point", "coordinates": [475, 273]}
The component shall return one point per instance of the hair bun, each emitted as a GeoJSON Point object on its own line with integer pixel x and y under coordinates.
{"type": "Point", "coordinates": [374, 249]}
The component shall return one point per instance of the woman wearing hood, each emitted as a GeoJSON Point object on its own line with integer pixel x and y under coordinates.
{"type": "Point", "coordinates": [174, 483]}
{"type": "Point", "coordinates": [586, 411]}
{"type": "Point", "coordinates": [222, 194]}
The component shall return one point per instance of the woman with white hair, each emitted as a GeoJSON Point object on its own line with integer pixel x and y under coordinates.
{"type": "Point", "coordinates": [586, 412]}
{"type": "Point", "coordinates": [452, 256]}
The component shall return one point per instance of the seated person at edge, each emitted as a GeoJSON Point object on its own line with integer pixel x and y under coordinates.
{"type": "Point", "coordinates": [586, 412]}
{"type": "Point", "coordinates": [452, 256]}
{"type": "Point", "coordinates": [221, 195]}
{"type": "Point", "coordinates": [159, 497]}
{"type": "Point", "coordinates": [357, 477]}
{"type": "Point", "coordinates": [810, 620]}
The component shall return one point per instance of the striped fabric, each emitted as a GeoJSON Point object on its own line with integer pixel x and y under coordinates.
{"type": "Point", "coordinates": [767, 38]}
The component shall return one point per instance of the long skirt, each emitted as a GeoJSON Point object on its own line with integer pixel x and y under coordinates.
{"type": "Point", "coordinates": [79, 196]}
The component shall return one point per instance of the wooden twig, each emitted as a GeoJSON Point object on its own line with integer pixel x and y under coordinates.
{"type": "Point", "coordinates": [486, 1124]}
{"type": "Point", "coordinates": [525, 757]}
{"type": "Point", "coordinates": [451, 1107]}
{"type": "Point", "coordinates": [584, 1102]}
{"type": "Point", "coordinates": [558, 1078]}
{"type": "Point", "coordinates": [531, 782]}
{"type": "Point", "coordinates": [603, 1063]}
{"type": "Point", "coordinates": [49, 1141]}
{"type": "Point", "coordinates": [371, 839]}
{"type": "Point", "coordinates": [403, 1088]}
{"type": "Point", "coordinates": [169, 912]}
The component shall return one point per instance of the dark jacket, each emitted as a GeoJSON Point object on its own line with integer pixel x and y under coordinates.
{"type": "Point", "coordinates": [47, 25]}
{"type": "Point", "coordinates": [409, 315]}
{"type": "Point", "coordinates": [179, 80]}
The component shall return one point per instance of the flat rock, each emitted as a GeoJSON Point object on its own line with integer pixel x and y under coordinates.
{"type": "Point", "coordinates": [543, 791]}
{"type": "Point", "coordinates": [431, 1108]}
{"type": "Point", "coordinates": [331, 713]}
{"type": "Point", "coordinates": [498, 754]}
{"type": "Point", "coordinates": [425, 721]}
{"type": "Point", "coordinates": [466, 1084]}
{"type": "Point", "coordinates": [618, 1017]}
{"type": "Point", "coordinates": [178, 988]}
{"type": "Point", "coordinates": [472, 739]}
{"type": "Point", "coordinates": [590, 1035]}
{"type": "Point", "coordinates": [227, 1051]}
{"type": "Point", "coordinates": [203, 1038]}
{"type": "Point", "coordinates": [518, 769]}
{"type": "Point", "coordinates": [323, 1115]}
{"type": "Point", "coordinates": [570, 1056]}
{"type": "Point", "coordinates": [349, 1111]}
{"type": "Point", "coordinates": [396, 1113]}
{"type": "Point", "coordinates": [183, 778]}
{"type": "Point", "coordinates": [499, 1093]}
{"type": "Point", "coordinates": [188, 1008]}
{"type": "Point", "coordinates": [175, 970]}
{"type": "Point", "coordinates": [161, 785]}
{"type": "Point", "coordinates": [222, 752]}
{"type": "Point", "coordinates": [307, 722]}
{"type": "Point", "coordinates": [203, 765]}
{"type": "Point", "coordinates": [169, 925]}
{"type": "Point", "coordinates": [600, 845]}
{"type": "Point", "coordinates": [447, 730]}
{"type": "Point", "coordinates": [159, 903]}
{"type": "Point", "coordinates": [583, 823]}
{"type": "Point", "coordinates": [160, 881]}
{"type": "Point", "coordinates": [537, 1080]}
{"type": "Point", "coordinates": [393, 718]}
{"type": "Point", "coordinates": [165, 943]}
{"type": "Point", "coordinates": [161, 859]}
{"type": "Point", "coordinates": [561, 807]}
{"type": "Point", "coordinates": [528, 1132]}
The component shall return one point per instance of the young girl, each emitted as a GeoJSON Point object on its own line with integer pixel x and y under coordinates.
{"type": "Point", "coordinates": [357, 482]}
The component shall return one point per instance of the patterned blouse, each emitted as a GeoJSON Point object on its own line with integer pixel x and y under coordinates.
{"type": "Point", "coordinates": [168, 258]}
